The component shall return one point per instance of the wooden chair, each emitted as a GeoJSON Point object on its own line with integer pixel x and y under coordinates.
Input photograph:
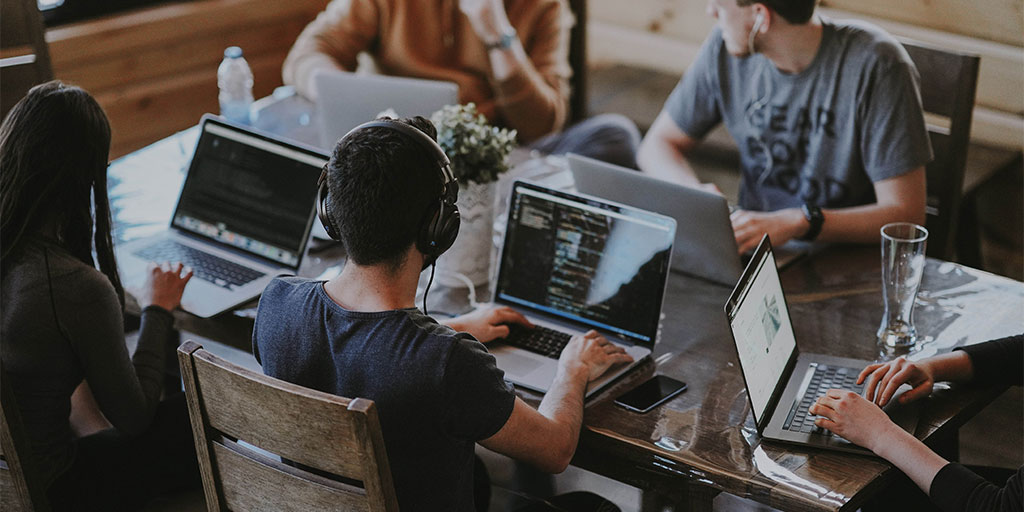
{"type": "Point", "coordinates": [578, 62]}
{"type": "Point", "coordinates": [24, 58]}
{"type": "Point", "coordinates": [18, 488]}
{"type": "Point", "coordinates": [948, 83]}
{"type": "Point", "coordinates": [334, 444]}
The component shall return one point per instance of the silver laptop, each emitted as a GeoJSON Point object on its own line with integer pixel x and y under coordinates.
{"type": "Point", "coordinates": [574, 263]}
{"type": "Point", "coordinates": [346, 100]}
{"type": "Point", "coordinates": [243, 217]}
{"type": "Point", "coordinates": [782, 383]}
{"type": "Point", "coordinates": [705, 245]}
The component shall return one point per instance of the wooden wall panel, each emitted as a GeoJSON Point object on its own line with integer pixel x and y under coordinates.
{"type": "Point", "coordinates": [155, 70]}
{"type": "Point", "coordinates": [993, 20]}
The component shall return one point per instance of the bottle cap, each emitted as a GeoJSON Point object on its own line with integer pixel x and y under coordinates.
{"type": "Point", "coordinates": [232, 52]}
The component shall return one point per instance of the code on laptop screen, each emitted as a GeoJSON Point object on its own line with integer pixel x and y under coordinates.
{"type": "Point", "coordinates": [250, 193]}
{"type": "Point", "coordinates": [586, 261]}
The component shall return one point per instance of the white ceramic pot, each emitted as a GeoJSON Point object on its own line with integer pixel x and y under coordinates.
{"type": "Point", "coordinates": [470, 256]}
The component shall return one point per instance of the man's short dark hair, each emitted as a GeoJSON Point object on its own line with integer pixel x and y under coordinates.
{"type": "Point", "coordinates": [796, 12]}
{"type": "Point", "coordinates": [382, 185]}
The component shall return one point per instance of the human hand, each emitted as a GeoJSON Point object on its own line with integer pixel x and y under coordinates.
{"type": "Point", "coordinates": [883, 379]}
{"type": "Point", "coordinates": [164, 285]}
{"type": "Point", "coordinates": [487, 17]}
{"type": "Point", "coordinates": [781, 226]}
{"type": "Point", "coordinates": [592, 354]}
{"type": "Point", "coordinates": [848, 414]}
{"type": "Point", "coordinates": [488, 324]}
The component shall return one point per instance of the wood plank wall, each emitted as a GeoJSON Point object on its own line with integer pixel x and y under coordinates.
{"type": "Point", "coordinates": [666, 34]}
{"type": "Point", "coordinates": [154, 70]}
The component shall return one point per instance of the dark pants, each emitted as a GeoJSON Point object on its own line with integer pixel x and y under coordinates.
{"type": "Point", "coordinates": [113, 471]}
{"type": "Point", "coordinates": [611, 138]}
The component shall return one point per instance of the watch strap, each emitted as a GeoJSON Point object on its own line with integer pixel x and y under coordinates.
{"type": "Point", "coordinates": [815, 218]}
{"type": "Point", "coordinates": [504, 42]}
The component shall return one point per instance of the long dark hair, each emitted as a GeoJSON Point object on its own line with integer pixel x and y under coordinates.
{"type": "Point", "coordinates": [54, 146]}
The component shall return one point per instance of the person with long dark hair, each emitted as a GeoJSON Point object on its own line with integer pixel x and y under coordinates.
{"type": "Point", "coordinates": [62, 318]}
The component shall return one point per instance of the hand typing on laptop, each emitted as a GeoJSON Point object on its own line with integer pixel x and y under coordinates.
{"type": "Point", "coordinates": [591, 353]}
{"type": "Point", "coordinates": [488, 323]}
{"type": "Point", "coordinates": [164, 285]}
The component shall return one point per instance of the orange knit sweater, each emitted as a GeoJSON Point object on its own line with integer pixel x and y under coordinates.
{"type": "Point", "coordinates": [432, 39]}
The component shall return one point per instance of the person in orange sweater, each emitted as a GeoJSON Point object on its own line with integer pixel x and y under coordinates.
{"type": "Point", "coordinates": [509, 57]}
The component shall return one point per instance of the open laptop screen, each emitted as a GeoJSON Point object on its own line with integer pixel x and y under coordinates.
{"type": "Point", "coordinates": [250, 192]}
{"type": "Point", "coordinates": [761, 328]}
{"type": "Point", "coordinates": [581, 259]}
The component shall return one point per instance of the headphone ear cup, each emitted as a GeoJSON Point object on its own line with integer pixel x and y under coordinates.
{"type": "Point", "coordinates": [438, 231]}
{"type": "Point", "coordinates": [321, 208]}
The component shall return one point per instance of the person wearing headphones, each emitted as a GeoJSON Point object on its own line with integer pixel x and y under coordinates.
{"type": "Point", "coordinates": [826, 113]}
{"type": "Point", "coordinates": [388, 195]}
{"type": "Point", "coordinates": [509, 57]}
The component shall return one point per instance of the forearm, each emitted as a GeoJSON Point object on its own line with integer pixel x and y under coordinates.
{"type": "Point", "coordinates": [910, 455]}
{"type": "Point", "coordinates": [563, 406]}
{"type": "Point", "coordinates": [332, 41]}
{"type": "Point", "coordinates": [863, 224]}
{"type": "Point", "coordinates": [661, 159]}
{"type": "Point", "coordinates": [527, 102]}
{"type": "Point", "coordinates": [954, 366]}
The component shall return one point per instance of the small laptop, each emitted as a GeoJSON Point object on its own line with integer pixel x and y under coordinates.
{"type": "Point", "coordinates": [243, 217]}
{"type": "Point", "coordinates": [573, 263]}
{"type": "Point", "coordinates": [346, 100]}
{"type": "Point", "coordinates": [782, 383]}
{"type": "Point", "coordinates": [705, 245]}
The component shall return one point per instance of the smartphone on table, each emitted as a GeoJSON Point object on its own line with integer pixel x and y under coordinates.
{"type": "Point", "coordinates": [650, 394]}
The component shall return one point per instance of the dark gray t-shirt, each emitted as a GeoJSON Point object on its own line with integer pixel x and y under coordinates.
{"type": "Point", "coordinates": [437, 391]}
{"type": "Point", "coordinates": [62, 323]}
{"type": "Point", "coordinates": [852, 118]}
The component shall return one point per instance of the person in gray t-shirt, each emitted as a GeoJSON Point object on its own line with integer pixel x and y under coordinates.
{"type": "Point", "coordinates": [827, 116]}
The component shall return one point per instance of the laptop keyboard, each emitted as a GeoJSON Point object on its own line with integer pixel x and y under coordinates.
{"type": "Point", "coordinates": [544, 341]}
{"type": "Point", "coordinates": [205, 266]}
{"type": "Point", "coordinates": [825, 378]}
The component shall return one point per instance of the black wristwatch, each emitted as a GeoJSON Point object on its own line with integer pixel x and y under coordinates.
{"type": "Point", "coordinates": [504, 42]}
{"type": "Point", "coordinates": [815, 218]}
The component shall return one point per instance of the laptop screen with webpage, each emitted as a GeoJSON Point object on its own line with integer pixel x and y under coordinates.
{"type": "Point", "coordinates": [581, 259]}
{"type": "Point", "coordinates": [250, 192]}
{"type": "Point", "coordinates": [761, 328]}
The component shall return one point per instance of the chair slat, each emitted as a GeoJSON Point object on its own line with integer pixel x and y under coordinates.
{"type": "Point", "coordinates": [239, 406]}
{"type": "Point", "coordinates": [252, 482]}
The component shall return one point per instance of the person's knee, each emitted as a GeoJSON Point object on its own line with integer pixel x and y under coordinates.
{"type": "Point", "coordinates": [612, 138]}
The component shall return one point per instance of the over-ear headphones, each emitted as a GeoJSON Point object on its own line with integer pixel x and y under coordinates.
{"type": "Point", "coordinates": [440, 223]}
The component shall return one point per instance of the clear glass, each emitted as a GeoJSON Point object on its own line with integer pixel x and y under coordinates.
{"type": "Point", "coordinates": [903, 245]}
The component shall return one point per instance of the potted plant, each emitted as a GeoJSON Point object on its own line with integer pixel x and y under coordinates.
{"type": "Point", "coordinates": [479, 155]}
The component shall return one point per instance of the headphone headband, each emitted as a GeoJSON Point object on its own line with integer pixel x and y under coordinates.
{"type": "Point", "coordinates": [440, 224]}
{"type": "Point", "coordinates": [423, 139]}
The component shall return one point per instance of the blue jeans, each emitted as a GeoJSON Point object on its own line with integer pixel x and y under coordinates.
{"type": "Point", "coordinates": [611, 138]}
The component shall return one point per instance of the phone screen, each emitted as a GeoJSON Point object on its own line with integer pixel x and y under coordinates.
{"type": "Point", "coordinates": [650, 394]}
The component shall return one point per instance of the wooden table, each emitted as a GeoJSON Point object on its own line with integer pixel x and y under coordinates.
{"type": "Point", "coordinates": [702, 442]}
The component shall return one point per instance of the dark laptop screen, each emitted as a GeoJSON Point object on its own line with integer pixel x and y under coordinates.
{"type": "Point", "coordinates": [584, 260]}
{"type": "Point", "coordinates": [250, 192]}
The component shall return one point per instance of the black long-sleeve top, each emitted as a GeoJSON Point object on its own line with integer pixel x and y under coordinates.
{"type": "Point", "coordinates": [956, 488]}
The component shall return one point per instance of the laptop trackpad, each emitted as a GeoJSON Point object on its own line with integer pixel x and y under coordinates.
{"type": "Point", "coordinates": [516, 364]}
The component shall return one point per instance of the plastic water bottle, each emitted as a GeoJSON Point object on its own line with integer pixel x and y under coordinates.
{"type": "Point", "coordinates": [234, 78]}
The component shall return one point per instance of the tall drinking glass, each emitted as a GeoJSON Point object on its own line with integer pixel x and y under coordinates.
{"type": "Point", "coordinates": [903, 246]}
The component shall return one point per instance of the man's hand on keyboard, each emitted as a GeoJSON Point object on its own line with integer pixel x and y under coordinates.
{"type": "Point", "coordinates": [591, 353]}
{"type": "Point", "coordinates": [487, 324]}
{"type": "Point", "coordinates": [164, 285]}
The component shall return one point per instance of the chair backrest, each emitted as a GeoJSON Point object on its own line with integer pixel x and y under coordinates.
{"type": "Point", "coordinates": [24, 59]}
{"type": "Point", "coordinates": [18, 481]}
{"type": "Point", "coordinates": [948, 83]}
{"type": "Point", "coordinates": [578, 62]}
{"type": "Point", "coordinates": [333, 445]}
